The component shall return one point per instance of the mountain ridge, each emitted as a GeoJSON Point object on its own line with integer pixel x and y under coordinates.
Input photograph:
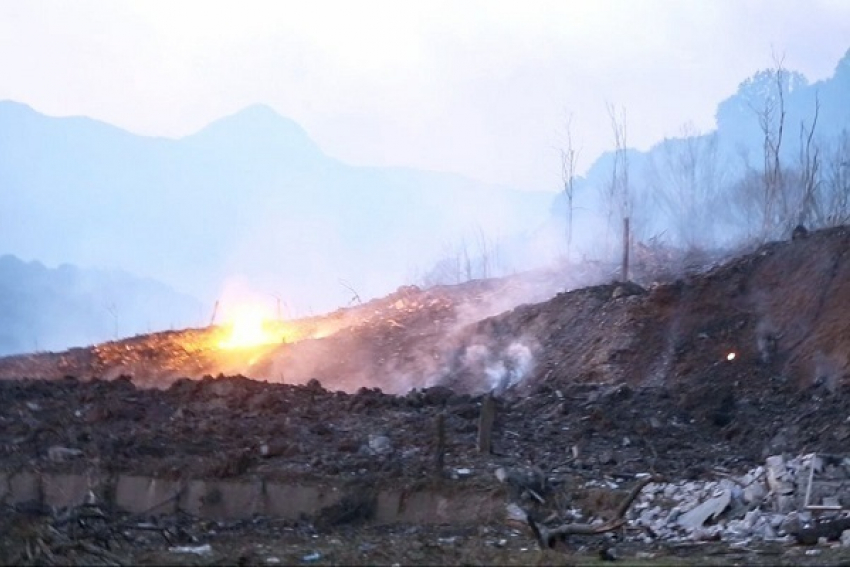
{"type": "Point", "coordinates": [250, 194]}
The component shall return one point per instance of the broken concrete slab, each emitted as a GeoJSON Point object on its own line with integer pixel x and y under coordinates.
{"type": "Point", "coordinates": [708, 510]}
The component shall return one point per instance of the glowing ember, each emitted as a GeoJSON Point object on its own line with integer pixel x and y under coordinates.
{"type": "Point", "coordinates": [730, 356]}
{"type": "Point", "coordinates": [249, 328]}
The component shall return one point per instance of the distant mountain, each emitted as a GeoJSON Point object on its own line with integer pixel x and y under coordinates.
{"type": "Point", "coordinates": [250, 195]}
{"type": "Point", "coordinates": [51, 309]}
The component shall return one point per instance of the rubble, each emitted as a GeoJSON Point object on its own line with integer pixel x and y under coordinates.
{"type": "Point", "coordinates": [557, 402]}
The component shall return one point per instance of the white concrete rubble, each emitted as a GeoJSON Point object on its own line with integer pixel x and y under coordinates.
{"type": "Point", "coordinates": [765, 503]}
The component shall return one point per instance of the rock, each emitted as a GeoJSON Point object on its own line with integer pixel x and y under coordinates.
{"type": "Point", "coordinates": [777, 475]}
{"type": "Point", "coordinates": [515, 514]}
{"type": "Point", "coordinates": [379, 444]}
{"type": "Point", "coordinates": [710, 509]}
{"type": "Point", "coordinates": [754, 493]}
{"type": "Point", "coordinates": [61, 454]}
{"type": "Point", "coordinates": [784, 503]}
{"type": "Point", "coordinates": [606, 457]}
{"type": "Point", "coordinates": [707, 534]}
{"type": "Point", "coordinates": [800, 232]}
{"type": "Point", "coordinates": [437, 395]}
{"type": "Point", "coordinates": [205, 549]}
{"type": "Point", "coordinates": [222, 388]}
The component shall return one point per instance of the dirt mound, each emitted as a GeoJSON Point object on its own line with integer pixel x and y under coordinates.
{"type": "Point", "coordinates": [395, 343]}
{"type": "Point", "coordinates": [748, 358]}
{"type": "Point", "coordinates": [778, 315]}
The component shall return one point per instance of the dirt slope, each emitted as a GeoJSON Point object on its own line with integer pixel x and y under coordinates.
{"type": "Point", "coordinates": [638, 376]}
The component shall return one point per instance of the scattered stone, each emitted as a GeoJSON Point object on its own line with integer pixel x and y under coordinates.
{"type": "Point", "coordinates": [60, 454]}
{"type": "Point", "coordinates": [379, 444]}
{"type": "Point", "coordinates": [205, 549]}
{"type": "Point", "coordinates": [754, 493]}
{"type": "Point", "coordinates": [606, 457]}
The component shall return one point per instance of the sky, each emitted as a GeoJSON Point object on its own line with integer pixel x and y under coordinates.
{"type": "Point", "coordinates": [481, 88]}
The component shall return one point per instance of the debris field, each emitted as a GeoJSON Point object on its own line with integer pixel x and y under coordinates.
{"type": "Point", "coordinates": [721, 392]}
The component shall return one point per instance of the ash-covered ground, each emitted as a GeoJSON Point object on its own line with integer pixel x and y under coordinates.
{"type": "Point", "coordinates": [686, 378]}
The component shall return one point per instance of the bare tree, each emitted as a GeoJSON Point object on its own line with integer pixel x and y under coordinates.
{"type": "Point", "coordinates": [775, 186]}
{"type": "Point", "coordinates": [809, 208]}
{"type": "Point", "coordinates": [776, 196]}
{"type": "Point", "coordinates": [620, 171]}
{"type": "Point", "coordinates": [616, 194]}
{"type": "Point", "coordinates": [686, 183]}
{"type": "Point", "coordinates": [463, 261]}
{"type": "Point", "coordinates": [569, 159]}
{"type": "Point", "coordinates": [835, 205]}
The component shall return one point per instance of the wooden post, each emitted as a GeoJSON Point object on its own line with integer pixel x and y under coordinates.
{"type": "Point", "coordinates": [626, 241]}
{"type": "Point", "coordinates": [440, 454]}
{"type": "Point", "coordinates": [485, 424]}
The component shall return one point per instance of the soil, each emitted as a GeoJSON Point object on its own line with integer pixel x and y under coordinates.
{"type": "Point", "coordinates": [683, 374]}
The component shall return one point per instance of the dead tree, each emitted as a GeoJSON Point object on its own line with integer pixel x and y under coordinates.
{"type": "Point", "coordinates": [548, 537]}
{"type": "Point", "coordinates": [685, 180]}
{"type": "Point", "coordinates": [569, 159]}
{"type": "Point", "coordinates": [810, 164]}
{"type": "Point", "coordinates": [771, 115]}
{"type": "Point", "coordinates": [355, 298]}
{"type": "Point", "coordinates": [618, 193]}
{"type": "Point", "coordinates": [836, 179]}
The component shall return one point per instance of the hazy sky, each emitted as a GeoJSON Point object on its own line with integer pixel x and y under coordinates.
{"type": "Point", "coordinates": [480, 88]}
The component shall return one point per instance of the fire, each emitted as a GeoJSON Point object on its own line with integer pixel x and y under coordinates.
{"type": "Point", "coordinates": [730, 357]}
{"type": "Point", "coordinates": [249, 327]}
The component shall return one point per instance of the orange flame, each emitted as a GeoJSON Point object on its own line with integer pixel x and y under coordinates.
{"type": "Point", "coordinates": [248, 327]}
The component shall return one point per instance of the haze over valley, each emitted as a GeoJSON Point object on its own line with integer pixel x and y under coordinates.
{"type": "Point", "coordinates": [116, 230]}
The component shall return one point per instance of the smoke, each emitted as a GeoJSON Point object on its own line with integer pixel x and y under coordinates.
{"type": "Point", "coordinates": [503, 369]}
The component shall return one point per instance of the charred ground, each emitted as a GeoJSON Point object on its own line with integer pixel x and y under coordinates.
{"type": "Point", "coordinates": [613, 379]}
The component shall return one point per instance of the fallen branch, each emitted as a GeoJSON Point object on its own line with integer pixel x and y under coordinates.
{"type": "Point", "coordinates": [547, 537]}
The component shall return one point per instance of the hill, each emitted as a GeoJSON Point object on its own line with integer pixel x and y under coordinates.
{"type": "Point", "coordinates": [249, 195]}
{"type": "Point", "coordinates": [49, 309]}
